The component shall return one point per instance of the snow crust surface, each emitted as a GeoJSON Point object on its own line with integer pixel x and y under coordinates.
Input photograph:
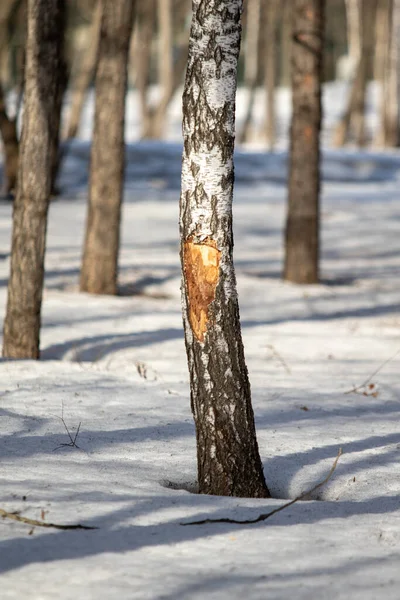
{"type": "Point", "coordinates": [117, 367]}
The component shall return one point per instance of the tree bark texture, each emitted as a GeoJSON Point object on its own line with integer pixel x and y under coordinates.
{"type": "Point", "coordinates": [302, 224]}
{"type": "Point", "coordinates": [101, 247]}
{"type": "Point", "coordinates": [84, 75]}
{"type": "Point", "coordinates": [228, 459]}
{"type": "Point", "coordinates": [44, 62]}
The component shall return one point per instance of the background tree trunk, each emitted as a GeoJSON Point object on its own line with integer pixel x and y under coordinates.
{"type": "Point", "coordinates": [8, 125]}
{"type": "Point", "coordinates": [227, 451]}
{"type": "Point", "coordinates": [145, 30]}
{"type": "Point", "coordinates": [165, 66]}
{"type": "Point", "coordinates": [353, 120]}
{"type": "Point", "coordinates": [101, 247]}
{"type": "Point", "coordinates": [393, 75]}
{"type": "Point", "coordinates": [381, 63]}
{"type": "Point", "coordinates": [302, 224]}
{"type": "Point", "coordinates": [353, 19]}
{"type": "Point", "coordinates": [251, 65]}
{"type": "Point", "coordinates": [358, 66]}
{"type": "Point", "coordinates": [170, 71]}
{"type": "Point", "coordinates": [84, 75]}
{"type": "Point", "coordinates": [270, 73]}
{"type": "Point", "coordinates": [368, 14]}
{"type": "Point", "coordinates": [9, 136]}
{"type": "Point", "coordinates": [44, 62]}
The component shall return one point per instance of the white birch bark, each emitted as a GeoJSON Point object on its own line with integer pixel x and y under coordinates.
{"type": "Point", "coordinates": [228, 459]}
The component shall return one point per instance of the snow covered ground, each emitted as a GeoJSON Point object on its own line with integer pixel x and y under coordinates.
{"type": "Point", "coordinates": [117, 367]}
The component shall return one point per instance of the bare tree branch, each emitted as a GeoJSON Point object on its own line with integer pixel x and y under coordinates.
{"type": "Point", "coordinates": [16, 517]}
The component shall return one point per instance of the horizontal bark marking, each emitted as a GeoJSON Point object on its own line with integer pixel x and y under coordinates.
{"type": "Point", "coordinates": [201, 269]}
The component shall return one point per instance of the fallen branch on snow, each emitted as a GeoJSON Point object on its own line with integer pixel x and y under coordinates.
{"type": "Point", "coordinates": [16, 517]}
{"type": "Point", "coordinates": [265, 516]}
{"type": "Point", "coordinates": [369, 389]}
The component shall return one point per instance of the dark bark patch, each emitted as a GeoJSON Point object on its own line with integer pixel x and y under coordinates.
{"type": "Point", "coordinates": [201, 269]}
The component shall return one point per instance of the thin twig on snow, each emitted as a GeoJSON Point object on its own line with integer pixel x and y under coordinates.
{"type": "Point", "coordinates": [16, 517]}
{"type": "Point", "coordinates": [357, 388]}
{"type": "Point", "coordinates": [265, 516]}
{"type": "Point", "coordinates": [72, 443]}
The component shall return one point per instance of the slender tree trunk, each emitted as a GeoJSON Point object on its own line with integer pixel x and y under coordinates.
{"type": "Point", "coordinates": [145, 30]}
{"type": "Point", "coordinates": [228, 460]}
{"type": "Point", "coordinates": [9, 136]}
{"type": "Point", "coordinates": [160, 111]}
{"type": "Point", "coordinates": [44, 59]}
{"type": "Point", "coordinates": [165, 68]}
{"type": "Point", "coordinates": [58, 105]}
{"type": "Point", "coordinates": [354, 117]}
{"type": "Point", "coordinates": [170, 75]}
{"type": "Point", "coordinates": [101, 247]}
{"type": "Point", "coordinates": [270, 73]}
{"type": "Point", "coordinates": [251, 65]}
{"type": "Point", "coordinates": [381, 63]}
{"type": "Point", "coordinates": [358, 65]}
{"type": "Point", "coordinates": [8, 125]}
{"type": "Point", "coordinates": [286, 42]}
{"type": "Point", "coordinates": [353, 18]}
{"type": "Point", "coordinates": [165, 44]}
{"type": "Point", "coordinates": [85, 75]}
{"type": "Point", "coordinates": [381, 38]}
{"type": "Point", "coordinates": [393, 85]}
{"type": "Point", "coordinates": [302, 224]}
{"type": "Point", "coordinates": [368, 14]}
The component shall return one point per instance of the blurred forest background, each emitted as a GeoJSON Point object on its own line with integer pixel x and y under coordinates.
{"type": "Point", "coordinates": [361, 45]}
{"type": "Point", "coordinates": [289, 48]}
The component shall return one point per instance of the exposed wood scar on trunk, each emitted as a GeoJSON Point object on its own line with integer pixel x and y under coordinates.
{"type": "Point", "coordinates": [201, 267]}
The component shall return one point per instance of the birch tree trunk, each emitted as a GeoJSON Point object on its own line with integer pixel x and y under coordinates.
{"type": "Point", "coordinates": [85, 74]}
{"type": "Point", "coordinates": [251, 64]}
{"type": "Point", "coordinates": [227, 453]}
{"type": "Point", "coordinates": [44, 69]}
{"type": "Point", "coordinates": [302, 224]}
{"type": "Point", "coordinates": [101, 247]}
